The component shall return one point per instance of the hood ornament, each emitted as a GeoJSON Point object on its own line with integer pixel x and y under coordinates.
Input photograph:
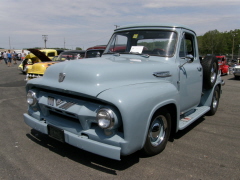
{"type": "Point", "coordinates": [61, 77]}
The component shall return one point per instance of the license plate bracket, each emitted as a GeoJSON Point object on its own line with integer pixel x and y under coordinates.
{"type": "Point", "coordinates": [56, 133]}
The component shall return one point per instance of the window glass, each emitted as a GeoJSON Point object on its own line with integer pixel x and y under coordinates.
{"type": "Point", "coordinates": [151, 42]}
{"type": "Point", "coordinates": [51, 54]}
{"type": "Point", "coordinates": [187, 46]}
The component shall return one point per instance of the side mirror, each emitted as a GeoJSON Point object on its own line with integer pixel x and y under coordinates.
{"type": "Point", "coordinates": [189, 59]}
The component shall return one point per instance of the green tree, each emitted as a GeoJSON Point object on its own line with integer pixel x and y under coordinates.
{"type": "Point", "coordinates": [78, 48]}
{"type": "Point", "coordinates": [211, 40]}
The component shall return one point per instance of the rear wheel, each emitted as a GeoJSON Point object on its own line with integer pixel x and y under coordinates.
{"type": "Point", "coordinates": [215, 101]}
{"type": "Point", "coordinates": [158, 133]}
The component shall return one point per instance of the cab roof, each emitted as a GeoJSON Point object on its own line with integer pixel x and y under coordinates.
{"type": "Point", "coordinates": [153, 25]}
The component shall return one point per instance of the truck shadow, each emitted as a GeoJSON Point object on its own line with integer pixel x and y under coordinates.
{"type": "Point", "coordinates": [92, 160]}
{"type": "Point", "coordinates": [83, 157]}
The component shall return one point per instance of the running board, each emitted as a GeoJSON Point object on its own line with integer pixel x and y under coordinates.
{"type": "Point", "coordinates": [190, 118]}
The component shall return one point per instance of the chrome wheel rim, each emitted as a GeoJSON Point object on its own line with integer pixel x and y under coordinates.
{"type": "Point", "coordinates": [213, 73]}
{"type": "Point", "coordinates": [157, 130]}
{"type": "Point", "coordinates": [215, 99]}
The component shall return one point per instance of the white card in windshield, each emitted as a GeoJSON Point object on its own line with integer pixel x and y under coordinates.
{"type": "Point", "coordinates": [136, 49]}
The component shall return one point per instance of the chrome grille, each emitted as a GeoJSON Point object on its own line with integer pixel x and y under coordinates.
{"type": "Point", "coordinates": [51, 101]}
{"type": "Point", "coordinates": [66, 105]}
{"type": "Point", "coordinates": [61, 104]}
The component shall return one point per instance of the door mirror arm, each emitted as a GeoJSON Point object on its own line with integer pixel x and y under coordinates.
{"type": "Point", "coordinates": [189, 59]}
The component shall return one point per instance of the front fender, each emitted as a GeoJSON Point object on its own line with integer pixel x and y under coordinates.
{"type": "Point", "coordinates": [137, 104]}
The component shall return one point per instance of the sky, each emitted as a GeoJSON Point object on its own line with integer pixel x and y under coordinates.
{"type": "Point", "coordinates": [86, 23]}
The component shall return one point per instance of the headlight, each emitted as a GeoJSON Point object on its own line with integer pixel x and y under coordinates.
{"type": "Point", "coordinates": [31, 98]}
{"type": "Point", "coordinates": [105, 118]}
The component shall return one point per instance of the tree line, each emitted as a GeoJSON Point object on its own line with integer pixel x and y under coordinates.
{"type": "Point", "coordinates": [220, 43]}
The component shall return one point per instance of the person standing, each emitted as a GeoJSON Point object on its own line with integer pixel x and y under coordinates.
{"type": "Point", "coordinates": [23, 54]}
{"type": "Point", "coordinates": [1, 57]}
{"type": "Point", "coordinates": [5, 57]}
{"type": "Point", "coordinates": [14, 56]}
{"type": "Point", "coordinates": [9, 58]}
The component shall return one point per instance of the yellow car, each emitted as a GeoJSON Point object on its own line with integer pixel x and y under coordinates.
{"type": "Point", "coordinates": [32, 58]}
{"type": "Point", "coordinates": [37, 69]}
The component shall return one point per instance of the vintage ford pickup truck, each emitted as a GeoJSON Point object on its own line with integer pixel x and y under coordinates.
{"type": "Point", "coordinates": [149, 83]}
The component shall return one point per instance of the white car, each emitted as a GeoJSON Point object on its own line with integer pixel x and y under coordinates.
{"type": "Point", "coordinates": [236, 72]}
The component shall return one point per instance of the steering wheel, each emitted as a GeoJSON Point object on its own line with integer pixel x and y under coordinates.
{"type": "Point", "coordinates": [158, 52]}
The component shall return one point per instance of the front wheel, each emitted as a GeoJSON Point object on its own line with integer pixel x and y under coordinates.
{"type": "Point", "coordinates": [158, 133]}
{"type": "Point", "coordinates": [215, 101]}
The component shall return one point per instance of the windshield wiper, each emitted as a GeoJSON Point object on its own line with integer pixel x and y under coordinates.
{"type": "Point", "coordinates": [117, 54]}
{"type": "Point", "coordinates": [145, 55]}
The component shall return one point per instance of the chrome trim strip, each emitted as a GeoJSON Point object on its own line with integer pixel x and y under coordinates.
{"type": "Point", "coordinates": [162, 74]}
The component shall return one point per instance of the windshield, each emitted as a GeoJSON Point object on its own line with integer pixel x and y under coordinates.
{"type": "Point", "coordinates": [151, 42]}
{"type": "Point", "coordinates": [70, 56]}
{"type": "Point", "coordinates": [94, 53]}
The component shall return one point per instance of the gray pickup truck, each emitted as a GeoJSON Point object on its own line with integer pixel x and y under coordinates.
{"type": "Point", "coordinates": [149, 83]}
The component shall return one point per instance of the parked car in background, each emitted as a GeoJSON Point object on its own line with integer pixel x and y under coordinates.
{"type": "Point", "coordinates": [71, 55]}
{"type": "Point", "coordinates": [30, 59]}
{"type": "Point", "coordinates": [38, 69]}
{"type": "Point", "coordinates": [223, 64]}
{"type": "Point", "coordinates": [95, 51]}
{"type": "Point", "coordinates": [236, 71]}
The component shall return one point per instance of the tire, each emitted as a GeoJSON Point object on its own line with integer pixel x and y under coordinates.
{"type": "Point", "coordinates": [215, 102]}
{"type": "Point", "coordinates": [158, 133]}
{"type": "Point", "coordinates": [210, 71]}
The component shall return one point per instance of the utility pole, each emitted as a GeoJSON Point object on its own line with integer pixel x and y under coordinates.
{"type": "Point", "coordinates": [238, 51]}
{"type": "Point", "coordinates": [64, 43]}
{"type": "Point", "coordinates": [233, 34]}
{"type": "Point", "coordinates": [45, 38]}
{"type": "Point", "coordinates": [9, 43]}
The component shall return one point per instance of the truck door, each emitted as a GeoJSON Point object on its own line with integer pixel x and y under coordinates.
{"type": "Point", "coordinates": [190, 74]}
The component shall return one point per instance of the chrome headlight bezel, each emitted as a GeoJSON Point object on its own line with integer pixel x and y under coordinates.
{"type": "Point", "coordinates": [31, 98]}
{"type": "Point", "coordinates": [105, 118]}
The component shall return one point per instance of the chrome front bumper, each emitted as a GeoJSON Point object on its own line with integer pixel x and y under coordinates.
{"type": "Point", "coordinates": [79, 141]}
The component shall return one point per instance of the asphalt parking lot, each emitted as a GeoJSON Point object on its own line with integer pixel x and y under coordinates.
{"type": "Point", "coordinates": [209, 149]}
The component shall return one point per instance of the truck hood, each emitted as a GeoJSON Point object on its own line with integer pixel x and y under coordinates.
{"type": "Point", "coordinates": [95, 75]}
